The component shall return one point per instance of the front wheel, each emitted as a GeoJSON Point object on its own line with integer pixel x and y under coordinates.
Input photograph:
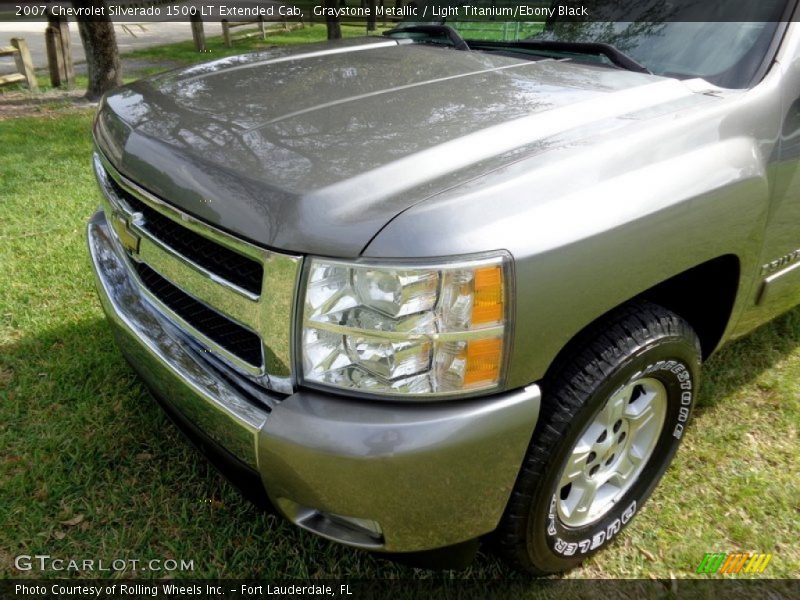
{"type": "Point", "coordinates": [611, 421]}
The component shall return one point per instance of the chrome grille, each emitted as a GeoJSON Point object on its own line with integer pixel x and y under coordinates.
{"type": "Point", "coordinates": [231, 266]}
{"type": "Point", "coordinates": [234, 298]}
{"type": "Point", "coordinates": [231, 336]}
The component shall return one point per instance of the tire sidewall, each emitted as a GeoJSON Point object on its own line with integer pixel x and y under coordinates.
{"type": "Point", "coordinates": [675, 363]}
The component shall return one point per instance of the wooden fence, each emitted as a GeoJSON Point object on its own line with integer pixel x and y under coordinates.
{"type": "Point", "coordinates": [22, 57]}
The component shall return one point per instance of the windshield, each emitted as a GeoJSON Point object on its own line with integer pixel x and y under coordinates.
{"type": "Point", "coordinates": [728, 54]}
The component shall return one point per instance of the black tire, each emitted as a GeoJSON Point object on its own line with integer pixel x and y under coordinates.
{"type": "Point", "coordinates": [638, 340]}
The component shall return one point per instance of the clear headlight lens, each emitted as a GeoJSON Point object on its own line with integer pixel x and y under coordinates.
{"type": "Point", "coordinates": [405, 330]}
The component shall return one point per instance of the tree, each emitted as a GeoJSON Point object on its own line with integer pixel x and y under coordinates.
{"type": "Point", "coordinates": [100, 45]}
{"type": "Point", "coordinates": [331, 21]}
{"type": "Point", "coordinates": [372, 18]}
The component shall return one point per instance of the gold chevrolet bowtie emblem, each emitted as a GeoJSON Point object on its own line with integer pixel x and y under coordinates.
{"type": "Point", "coordinates": [121, 226]}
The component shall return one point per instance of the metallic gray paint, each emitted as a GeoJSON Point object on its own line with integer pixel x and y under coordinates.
{"type": "Point", "coordinates": [316, 153]}
{"type": "Point", "coordinates": [450, 466]}
{"type": "Point", "coordinates": [431, 474]}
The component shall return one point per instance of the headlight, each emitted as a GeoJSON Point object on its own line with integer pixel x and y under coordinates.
{"type": "Point", "coordinates": [404, 330]}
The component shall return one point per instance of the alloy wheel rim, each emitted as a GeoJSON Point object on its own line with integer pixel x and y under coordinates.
{"type": "Point", "coordinates": [611, 452]}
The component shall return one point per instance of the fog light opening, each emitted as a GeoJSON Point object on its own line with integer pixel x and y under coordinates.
{"type": "Point", "coordinates": [353, 531]}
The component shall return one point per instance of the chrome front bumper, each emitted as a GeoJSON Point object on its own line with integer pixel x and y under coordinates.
{"type": "Point", "coordinates": [388, 476]}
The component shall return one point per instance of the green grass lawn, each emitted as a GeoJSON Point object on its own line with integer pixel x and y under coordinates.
{"type": "Point", "coordinates": [82, 441]}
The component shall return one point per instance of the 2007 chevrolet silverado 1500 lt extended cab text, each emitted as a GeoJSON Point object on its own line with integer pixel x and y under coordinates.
{"type": "Point", "coordinates": [423, 289]}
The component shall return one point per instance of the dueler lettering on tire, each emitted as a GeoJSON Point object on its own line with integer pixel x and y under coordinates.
{"type": "Point", "coordinates": [613, 414]}
{"type": "Point", "coordinates": [597, 539]}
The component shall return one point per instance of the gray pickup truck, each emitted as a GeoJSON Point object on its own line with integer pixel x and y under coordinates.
{"type": "Point", "coordinates": [423, 289]}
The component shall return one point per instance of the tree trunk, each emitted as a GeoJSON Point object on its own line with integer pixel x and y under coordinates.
{"type": "Point", "coordinates": [331, 22]}
{"type": "Point", "coordinates": [102, 54]}
{"type": "Point", "coordinates": [372, 21]}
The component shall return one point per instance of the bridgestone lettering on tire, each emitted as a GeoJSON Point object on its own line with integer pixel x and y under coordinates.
{"type": "Point", "coordinates": [613, 414]}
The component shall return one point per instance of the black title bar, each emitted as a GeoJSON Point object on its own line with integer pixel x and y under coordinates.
{"type": "Point", "coordinates": [434, 11]}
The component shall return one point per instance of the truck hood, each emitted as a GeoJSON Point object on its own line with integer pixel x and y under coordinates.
{"type": "Point", "coordinates": [315, 149]}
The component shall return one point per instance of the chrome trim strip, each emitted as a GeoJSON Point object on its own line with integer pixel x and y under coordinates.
{"type": "Point", "coordinates": [268, 314]}
{"type": "Point", "coordinates": [781, 285]}
{"type": "Point", "coordinates": [232, 359]}
{"type": "Point", "coordinates": [447, 336]}
{"type": "Point", "coordinates": [200, 286]}
{"type": "Point", "coordinates": [783, 272]}
{"type": "Point", "coordinates": [167, 250]}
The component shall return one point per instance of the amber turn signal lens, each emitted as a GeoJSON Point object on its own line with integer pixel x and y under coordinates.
{"type": "Point", "coordinates": [484, 359]}
{"type": "Point", "coordinates": [487, 304]}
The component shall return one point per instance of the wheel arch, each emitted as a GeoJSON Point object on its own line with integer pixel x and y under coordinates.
{"type": "Point", "coordinates": [703, 295]}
